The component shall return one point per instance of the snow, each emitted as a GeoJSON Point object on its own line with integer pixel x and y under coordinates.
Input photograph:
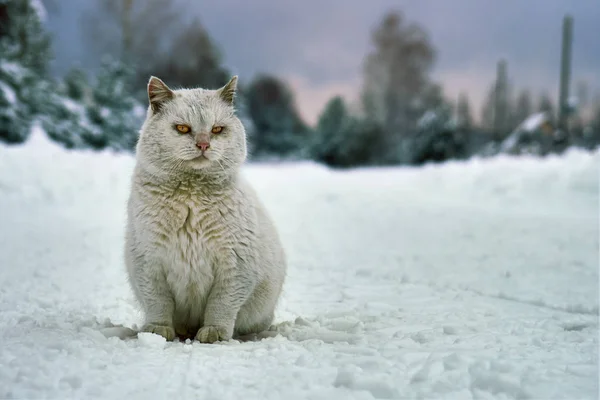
{"type": "Point", "coordinates": [529, 125]}
{"type": "Point", "coordinates": [12, 68]}
{"type": "Point", "coordinates": [39, 9]}
{"type": "Point", "coordinates": [533, 122]}
{"type": "Point", "coordinates": [427, 119]}
{"type": "Point", "coordinates": [105, 112]}
{"type": "Point", "coordinates": [8, 93]}
{"type": "Point", "coordinates": [573, 102]}
{"type": "Point", "coordinates": [73, 106]}
{"type": "Point", "coordinates": [473, 279]}
{"type": "Point", "coordinates": [139, 111]}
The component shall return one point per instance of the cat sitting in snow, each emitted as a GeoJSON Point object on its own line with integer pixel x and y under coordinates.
{"type": "Point", "coordinates": [203, 257]}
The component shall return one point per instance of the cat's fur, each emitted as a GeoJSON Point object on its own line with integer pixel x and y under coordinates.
{"type": "Point", "coordinates": [203, 257]}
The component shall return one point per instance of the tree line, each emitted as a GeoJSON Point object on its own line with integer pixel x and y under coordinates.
{"type": "Point", "coordinates": [402, 117]}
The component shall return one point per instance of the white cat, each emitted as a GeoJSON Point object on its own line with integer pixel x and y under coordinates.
{"type": "Point", "coordinates": [203, 257]}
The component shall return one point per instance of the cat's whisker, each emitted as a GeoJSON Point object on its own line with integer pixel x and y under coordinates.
{"type": "Point", "coordinates": [221, 165]}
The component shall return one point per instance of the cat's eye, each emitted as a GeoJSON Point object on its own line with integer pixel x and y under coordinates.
{"type": "Point", "coordinates": [182, 128]}
{"type": "Point", "coordinates": [217, 129]}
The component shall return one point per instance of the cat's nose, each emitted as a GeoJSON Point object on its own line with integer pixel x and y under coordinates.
{"type": "Point", "coordinates": [203, 145]}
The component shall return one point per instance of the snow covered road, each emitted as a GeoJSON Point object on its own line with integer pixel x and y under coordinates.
{"type": "Point", "coordinates": [467, 280]}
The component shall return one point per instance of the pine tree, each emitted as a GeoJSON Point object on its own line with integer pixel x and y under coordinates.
{"type": "Point", "coordinates": [77, 85]}
{"type": "Point", "coordinates": [487, 110]}
{"type": "Point", "coordinates": [202, 65]}
{"type": "Point", "coordinates": [596, 120]}
{"type": "Point", "coordinates": [278, 128]}
{"type": "Point", "coordinates": [333, 117]}
{"type": "Point", "coordinates": [545, 105]}
{"type": "Point", "coordinates": [94, 115]}
{"type": "Point", "coordinates": [65, 117]}
{"type": "Point", "coordinates": [464, 119]}
{"type": "Point", "coordinates": [523, 109]}
{"type": "Point", "coordinates": [24, 61]}
{"type": "Point", "coordinates": [72, 113]}
{"type": "Point", "coordinates": [133, 31]}
{"type": "Point", "coordinates": [436, 139]}
{"type": "Point", "coordinates": [113, 109]}
{"type": "Point", "coordinates": [330, 126]}
{"type": "Point", "coordinates": [28, 94]}
{"type": "Point", "coordinates": [22, 37]}
{"type": "Point", "coordinates": [351, 144]}
{"type": "Point", "coordinates": [396, 75]}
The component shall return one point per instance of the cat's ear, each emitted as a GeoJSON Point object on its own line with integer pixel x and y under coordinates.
{"type": "Point", "coordinates": [158, 93]}
{"type": "Point", "coordinates": [227, 92]}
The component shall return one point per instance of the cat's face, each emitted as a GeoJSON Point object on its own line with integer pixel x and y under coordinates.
{"type": "Point", "coordinates": [191, 130]}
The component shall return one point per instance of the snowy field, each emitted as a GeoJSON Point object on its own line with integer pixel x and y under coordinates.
{"type": "Point", "coordinates": [467, 280]}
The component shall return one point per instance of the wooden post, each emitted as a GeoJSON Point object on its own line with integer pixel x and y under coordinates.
{"type": "Point", "coordinates": [565, 73]}
{"type": "Point", "coordinates": [501, 101]}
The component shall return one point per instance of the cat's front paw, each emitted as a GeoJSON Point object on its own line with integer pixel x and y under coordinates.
{"type": "Point", "coordinates": [212, 333]}
{"type": "Point", "coordinates": [163, 330]}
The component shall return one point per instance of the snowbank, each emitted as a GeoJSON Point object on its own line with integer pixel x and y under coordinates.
{"type": "Point", "coordinates": [467, 279]}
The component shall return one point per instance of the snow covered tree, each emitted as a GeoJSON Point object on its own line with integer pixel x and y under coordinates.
{"type": "Point", "coordinates": [76, 84]}
{"type": "Point", "coordinates": [464, 119]}
{"type": "Point", "coordinates": [202, 65]}
{"type": "Point", "coordinates": [14, 124]}
{"type": "Point", "coordinates": [595, 124]}
{"type": "Point", "coordinates": [431, 98]}
{"type": "Point", "coordinates": [396, 73]}
{"type": "Point", "coordinates": [349, 145]}
{"type": "Point", "coordinates": [343, 140]}
{"type": "Point", "coordinates": [545, 105]}
{"type": "Point", "coordinates": [24, 61]}
{"type": "Point", "coordinates": [22, 37]}
{"type": "Point", "coordinates": [332, 121]}
{"type": "Point", "coordinates": [99, 114]}
{"type": "Point", "coordinates": [133, 31]}
{"type": "Point", "coordinates": [333, 117]}
{"type": "Point", "coordinates": [487, 110]}
{"type": "Point", "coordinates": [64, 116]}
{"type": "Point", "coordinates": [72, 112]}
{"type": "Point", "coordinates": [437, 138]}
{"type": "Point", "coordinates": [27, 93]}
{"type": "Point", "coordinates": [65, 122]}
{"type": "Point", "coordinates": [522, 109]}
{"type": "Point", "coordinates": [113, 109]}
{"type": "Point", "coordinates": [278, 128]}
{"type": "Point", "coordinates": [582, 93]}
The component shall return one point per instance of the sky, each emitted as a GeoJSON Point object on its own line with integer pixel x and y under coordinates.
{"type": "Point", "coordinates": [319, 46]}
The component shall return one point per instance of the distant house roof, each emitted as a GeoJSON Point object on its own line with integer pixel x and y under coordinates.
{"type": "Point", "coordinates": [538, 122]}
{"type": "Point", "coordinates": [533, 122]}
